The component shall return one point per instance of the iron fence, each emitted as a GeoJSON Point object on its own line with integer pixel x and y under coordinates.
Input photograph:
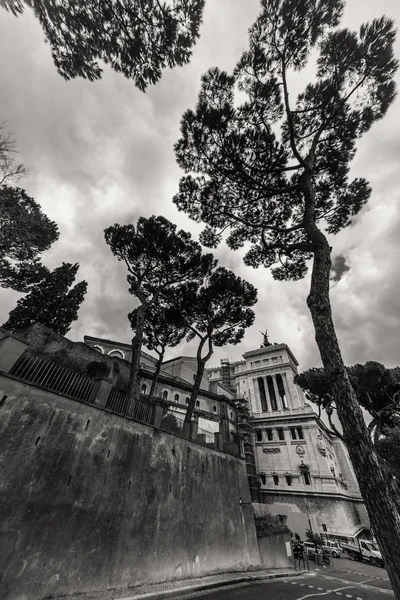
{"type": "Point", "coordinates": [54, 377]}
{"type": "Point", "coordinates": [119, 402]}
{"type": "Point", "coordinates": [172, 422]}
{"type": "Point", "coordinates": [206, 437]}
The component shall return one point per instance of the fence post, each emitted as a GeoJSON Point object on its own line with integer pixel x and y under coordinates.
{"type": "Point", "coordinates": [11, 349]}
{"type": "Point", "coordinates": [102, 391]}
{"type": "Point", "coordinates": [194, 425]}
{"type": "Point", "coordinates": [219, 441]}
{"type": "Point", "coordinates": [158, 413]}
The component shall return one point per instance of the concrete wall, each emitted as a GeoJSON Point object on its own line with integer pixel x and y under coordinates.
{"type": "Point", "coordinates": [90, 500]}
{"type": "Point", "coordinates": [342, 517]}
{"type": "Point", "coordinates": [274, 551]}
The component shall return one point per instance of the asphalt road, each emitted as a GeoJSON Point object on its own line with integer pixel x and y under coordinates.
{"type": "Point", "coordinates": [343, 579]}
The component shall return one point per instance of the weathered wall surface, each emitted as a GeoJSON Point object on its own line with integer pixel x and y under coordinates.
{"type": "Point", "coordinates": [273, 551]}
{"type": "Point", "coordinates": [341, 516]}
{"type": "Point", "coordinates": [90, 500]}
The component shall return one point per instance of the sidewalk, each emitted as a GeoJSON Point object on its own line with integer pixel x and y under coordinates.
{"type": "Point", "coordinates": [174, 589]}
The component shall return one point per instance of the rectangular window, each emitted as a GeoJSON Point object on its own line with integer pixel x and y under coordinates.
{"type": "Point", "coordinates": [275, 360]}
{"type": "Point", "coordinates": [270, 436]}
{"type": "Point", "coordinates": [289, 479]}
{"type": "Point", "coordinates": [276, 479]}
{"type": "Point", "coordinates": [324, 527]}
{"type": "Point", "coordinates": [263, 478]}
{"type": "Point", "coordinates": [300, 433]}
{"type": "Point", "coordinates": [257, 363]}
{"type": "Point", "coordinates": [259, 436]}
{"type": "Point", "coordinates": [293, 433]}
{"type": "Point", "coordinates": [281, 433]}
{"type": "Point", "coordinates": [307, 480]}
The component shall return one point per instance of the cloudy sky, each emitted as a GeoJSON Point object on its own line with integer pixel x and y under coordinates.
{"type": "Point", "coordinates": [101, 153]}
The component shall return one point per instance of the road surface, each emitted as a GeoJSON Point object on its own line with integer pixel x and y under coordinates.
{"type": "Point", "coordinates": [343, 579]}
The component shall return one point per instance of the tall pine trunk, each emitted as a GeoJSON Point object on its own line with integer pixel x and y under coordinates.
{"type": "Point", "coordinates": [134, 378]}
{"type": "Point", "coordinates": [381, 507]}
{"type": "Point", "coordinates": [157, 372]}
{"type": "Point", "coordinates": [201, 362]}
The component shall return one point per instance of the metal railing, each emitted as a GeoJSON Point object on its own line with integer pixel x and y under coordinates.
{"type": "Point", "coordinates": [172, 422]}
{"type": "Point", "coordinates": [207, 437]}
{"type": "Point", "coordinates": [54, 377]}
{"type": "Point", "coordinates": [140, 410]}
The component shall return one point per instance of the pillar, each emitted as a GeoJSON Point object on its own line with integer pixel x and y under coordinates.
{"type": "Point", "coordinates": [103, 391]}
{"type": "Point", "coordinates": [287, 392]}
{"type": "Point", "coordinates": [257, 401]}
{"type": "Point", "coordinates": [11, 348]}
{"type": "Point", "coordinates": [278, 398]}
{"type": "Point", "coordinates": [267, 393]}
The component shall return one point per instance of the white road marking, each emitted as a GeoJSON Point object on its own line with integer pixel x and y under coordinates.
{"type": "Point", "coordinates": [355, 584]}
{"type": "Point", "coordinates": [313, 595]}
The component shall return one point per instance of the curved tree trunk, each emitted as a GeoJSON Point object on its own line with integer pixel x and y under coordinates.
{"type": "Point", "coordinates": [201, 362]}
{"type": "Point", "coordinates": [134, 378]}
{"type": "Point", "coordinates": [157, 372]}
{"type": "Point", "coordinates": [381, 506]}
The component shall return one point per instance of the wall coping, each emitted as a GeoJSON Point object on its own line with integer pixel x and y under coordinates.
{"type": "Point", "coordinates": [337, 495]}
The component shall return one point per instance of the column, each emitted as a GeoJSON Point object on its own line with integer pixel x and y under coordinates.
{"type": "Point", "coordinates": [287, 392]}
{"type": "Point", "coordinates": [267, 393]}
{"type": "Point", "coordinates": [257, 401]}
{"type": "Point", "coordinates": [278, 398]}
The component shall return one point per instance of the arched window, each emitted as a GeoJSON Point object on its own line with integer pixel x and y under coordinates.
{"type": "Point", "coordinates": [116, 352]}
{"type": "Point", "coordinates": [165, 395]}
{"type": "Point", "coordinates": [176, 397]}
{"type": "Point", "coordinates": [99, 349]}
{"type": "Point", "coordinates": [187, 400]}
{"type": "Point", "coordinates": [143, 388]}
{"type": "Point", "coordinates": [197, 403]}
{"type": "Point", "coordinates": [214, 408]}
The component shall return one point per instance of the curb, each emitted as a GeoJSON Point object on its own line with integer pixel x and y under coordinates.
{"type": "Point", "coordinates": [176, 592]}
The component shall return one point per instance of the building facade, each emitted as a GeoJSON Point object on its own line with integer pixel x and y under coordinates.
{"type": "Point", "coordinates": [303, 473]}
{"type": "Point", "coordinates": [215, 408]}
{"type": "Point", "coordinates": [292, 464]}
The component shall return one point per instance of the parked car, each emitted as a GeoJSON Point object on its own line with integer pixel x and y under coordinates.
{"type": "Point", "coordinates": [309, 549]}
{"type": "Point", "coordinates": [366, 550]}
{"type": "Point", "coordinates": [332, 549]}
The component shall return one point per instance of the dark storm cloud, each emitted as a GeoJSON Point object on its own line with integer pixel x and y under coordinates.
{"type": "Point", "coordinates": [339, 267]}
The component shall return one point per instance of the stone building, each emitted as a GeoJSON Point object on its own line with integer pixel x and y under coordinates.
{"type": "Point", "coordinates": [215, 408]}
{"type": "Point", "coordinates": [303, 473]}
{"type": "Point", "coordinates": [292, 464]}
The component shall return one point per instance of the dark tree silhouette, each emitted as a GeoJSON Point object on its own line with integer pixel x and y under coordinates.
{"type": "Point", "coordinates": [138, 38]}
{"type": "Point", "coordinates": [54, 302]}
{"type": "Point", "coordinates": [217, 313]}
{"type": "Point", "coordinates": [283, 193]}
{"type": "Point", "coordinates": [25, 232]}
{"type": "Point", "coordinates": [158, 259]}
{"type": "Point", "coordinates": [158, 334]}
{"type": "Point", "coordinates": [378, 392]}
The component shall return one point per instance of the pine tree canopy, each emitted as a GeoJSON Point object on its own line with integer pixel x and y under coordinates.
{"type": "Point", "coordinates": [138, 38]}
{"type": "Point", "coordinates": [219, 309]}
{"type": "Point", "coordinates": [158, 257]}
{"type": "Point", "coordinates": [269, 168]}
{"type": "Point", "coordinates": [158, 332]}
{"type": "Point", "coordinates": [52, 302]}
{"type": "Point", "coordinates": [25, 232]}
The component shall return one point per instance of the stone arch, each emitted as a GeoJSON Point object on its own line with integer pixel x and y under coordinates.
{"type": "Point", "coordinates": [116, 352]}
